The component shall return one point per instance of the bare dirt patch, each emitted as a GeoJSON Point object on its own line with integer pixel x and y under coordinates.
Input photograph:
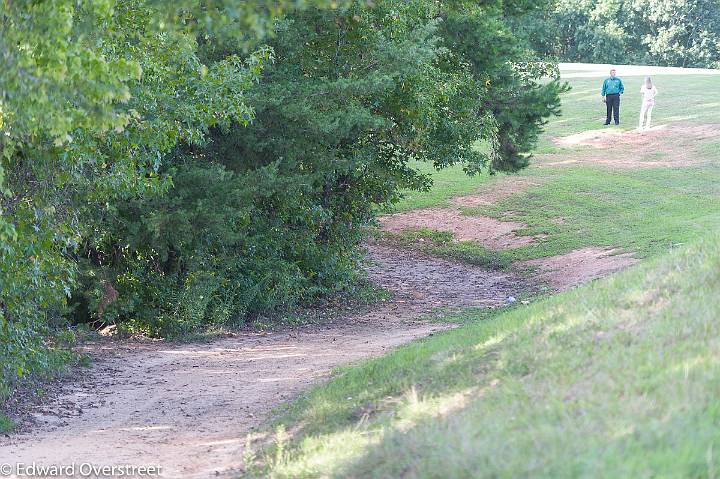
{"type": "Point", "coordinates": [189, 408]}
{"type": "Point", "coordinates": [489, 232]}
{"type": "Point", "coordinates": [660, 146]}
{"type": "Point", "coordinates": [580, 266]}
{"type": "Point", "coordinates": [609, 136]}
{"type": "Point", "coordinates": [440, 283]}
{"type": "Point", "coordinates": [496, 191]}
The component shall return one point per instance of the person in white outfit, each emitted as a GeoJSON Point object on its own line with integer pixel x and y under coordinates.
{"type": "Point", "coordinates": [648, 91]}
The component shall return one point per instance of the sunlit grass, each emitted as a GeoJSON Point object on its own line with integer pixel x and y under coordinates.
{"type": "Point", "coordinates": [616, 379]}
{"type": "Point", "coordinates": [619, 378]}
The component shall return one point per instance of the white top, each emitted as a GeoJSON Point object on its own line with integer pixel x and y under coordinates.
{"type": "Point", "coordinates": [648, 95]}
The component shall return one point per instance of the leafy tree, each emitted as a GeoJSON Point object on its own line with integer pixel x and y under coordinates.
{"type": "Point", "coordinates": [93, 97]}
{"type": "Point", "coordinates": [175, 166]}
{"type": "Point", "coordinates": [270, 214]}
{"type": "Point", "coordinates": [685, 33]}
{"type": "Point", "coordinates": [507, 78]}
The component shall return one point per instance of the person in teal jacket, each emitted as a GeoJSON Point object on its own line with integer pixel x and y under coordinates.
{"type": "Point", "coordinates": [612, 88]}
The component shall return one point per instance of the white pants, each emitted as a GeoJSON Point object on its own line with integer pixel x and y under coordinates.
{"type": "Point", "coordinates": [646, 110]}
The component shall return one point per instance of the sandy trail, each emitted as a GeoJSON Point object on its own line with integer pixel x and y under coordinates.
{"type": "Point", "coordinates": [189, 408]}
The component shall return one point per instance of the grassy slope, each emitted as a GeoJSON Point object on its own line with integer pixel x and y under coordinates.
{"type": "Point", "coordinates": [619, 378]}
{"type": "Point", "coordinates": [615, 379]}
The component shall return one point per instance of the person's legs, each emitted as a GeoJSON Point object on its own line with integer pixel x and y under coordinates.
{"type": "Point", "coordinates": [608, 105]}
{"type": "Point", "coordinates": [643, 111]}
{"type": "Point", "coordinates": [616, 109]}
{"type": "Point", "coordinates": [649, 115]}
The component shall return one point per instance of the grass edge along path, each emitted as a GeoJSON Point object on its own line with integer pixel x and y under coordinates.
{"type": "Point", "coordinates": [618, 378]}
{"type": "Point", "coordinates": [6, 424]}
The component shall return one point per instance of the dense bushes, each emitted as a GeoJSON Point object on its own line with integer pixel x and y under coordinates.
{"type": "Point", "coordinates": [268, 215]}
{"type": "Point", "coordinates": [218, 246]}
{"type": "Point", "coordinates": [191, 176]}
{"type": "Point", "coordinates": [93, 97]}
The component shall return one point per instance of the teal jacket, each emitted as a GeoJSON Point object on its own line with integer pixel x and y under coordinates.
{"type": "Point", "coordinates": [612, 85]}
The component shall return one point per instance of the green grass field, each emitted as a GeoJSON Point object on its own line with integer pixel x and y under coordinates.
{"type": "Point", "coordinates": [583, 110]}
{"type": "Point", "coordinates": [644, 210]}
{"type": "Point", "coordinates": [447, 183]}
{"type": "Point", "coordinates": [618, 378]}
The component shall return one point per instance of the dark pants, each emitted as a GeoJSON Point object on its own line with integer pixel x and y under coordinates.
{"type": "Point", "coordinates": [612, 102]}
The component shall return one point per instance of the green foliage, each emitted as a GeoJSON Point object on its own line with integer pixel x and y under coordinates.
{"type": "Point", "coordinates": [93, 97]}
{"type": "Point", "coordinates": [507, 82]}
{"type": "Point", "coordinates": [220, 246]}
{"type": "Point", "coordinates": [268, 215]}
{"type": "Point", "coordinates": [682, 33]}
{"type": "Point", "coordinates": [175, 167]}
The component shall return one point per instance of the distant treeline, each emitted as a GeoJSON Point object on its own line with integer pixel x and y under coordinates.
{"type": "Point", "coordinates": [684, 33]}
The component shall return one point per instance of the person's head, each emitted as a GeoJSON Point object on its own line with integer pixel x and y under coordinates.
{"type": "Point", "coordinates": [648, 83]}
{"type": "Point", "coordinates": [613, 73]}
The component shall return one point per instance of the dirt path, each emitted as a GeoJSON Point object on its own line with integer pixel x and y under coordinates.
{"type": "Point", "coordinates": [189, 408]}
{"type": "Point", "coordinates": [662, 146]}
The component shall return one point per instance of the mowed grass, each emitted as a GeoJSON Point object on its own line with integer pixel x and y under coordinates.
{"type": "Point", "coordinates": [646, 211]}
{"type": "Point", "coordinates": [617, 379]}
{"type": "Point", "coordinates": [447, 183]}
{"type": "Point", "coordinates": [697, 102]}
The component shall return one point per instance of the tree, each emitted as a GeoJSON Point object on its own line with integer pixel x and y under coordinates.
{"type": "Point", "coordinates": [93, 97]}
{"type": "Point", "coordinates": [666, 32]}
{"type": "Point", "coordinates": [175, 167]}
{"type": "Point", "coordinates": [685, 33]}
{"type": "Point", "coordinates": [270, 214]}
